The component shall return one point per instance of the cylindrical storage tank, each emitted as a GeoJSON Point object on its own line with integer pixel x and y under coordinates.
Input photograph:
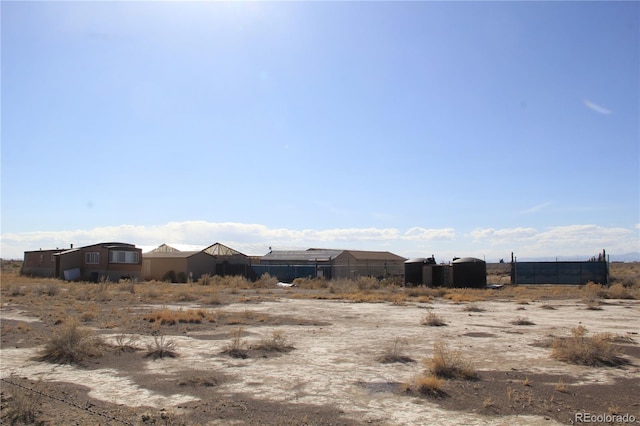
{"type": "Point", "coordinates": [469, 272]}
{"type": "Point", "coordinates": [417, 271]}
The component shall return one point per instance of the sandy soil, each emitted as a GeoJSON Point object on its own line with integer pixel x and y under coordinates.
{"type": "Point", "coordinates": [332, 374]}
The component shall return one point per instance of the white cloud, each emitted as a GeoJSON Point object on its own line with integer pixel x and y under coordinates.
{"type": "Point", "coordinates": [597, 108]}
{"type": "Point", "coordinates": [560, 240]}
{"type": "Point", "coordinates": [255, 239]}
{"type": "Point", "coordinates": [422, 234]}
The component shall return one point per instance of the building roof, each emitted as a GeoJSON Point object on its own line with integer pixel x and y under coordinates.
{"type": "Point", "coordinates": [374, 255]}
{"type": "Point", "coordinates": [169, 254]}
{"type": "Point", "coordinates": [324, 255]}
{"type": "Point", "coordinates": [164, 248]}
{"type": "Point", "coordinates": [218, 249]}
{"type": "Point", "coordinates": [311, 255]}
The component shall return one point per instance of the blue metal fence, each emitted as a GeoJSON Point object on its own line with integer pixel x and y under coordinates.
{"type": "Point", "coordinates": [559, 272]}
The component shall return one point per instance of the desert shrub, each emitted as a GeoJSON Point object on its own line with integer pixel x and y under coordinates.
{"type": "Point", "coordinates": [430, 385]}
{"type": "Point", "coordinates": [561, 386]}
{"type": "Point", "coordinates": [473, 308]}
{"type": "Point", "coordinates": [592, 290]}
{"type": "Point", "coordinates": [48, 289]}
{"type": "Point", "coordinates": [126, 343]}
{"type": "Point", "coordinates": [205, 279]}
{"type": "Point", "coordinates": [161, 348]}
{"type": "Point", "coordinates": [71, 344]}
{"type": "Point", "coordinates": [394, 352]}
{"type": "Point", "coordinates": [16, 290]}
{"type": "Point", "coordinates": [211, 297]}
{"type": "Point", "coordinates": [596, 350]}
{"type": "Point", "coordinates": [266, 281]}
{"type": "Point", "coordinates": [130, 285]}
{"type": "Point", "coordinates": [170, 277]}
{"type": "Point", "coordinates": [181, 277]}
{"type": "Point", "coordinates": [237, 347]}
{"type": "Point", "coordinates": [19, 404]}
{"type": "Point", "coordinates": [432, 320]}
{"type": "Point", "coordinates": [186, 295]}
{"type": "Point", "coordinates": [522, 321]}
{"type": "Point", "coordinates": [171, 317]}
{"type": "Point", "coordinates": [277, 342]}
{"type": "Point", "coordinates": [448, 364]}
{"type": "Point", "coordinates": [619, 291]}
{"type": "Point", "coordinates": [368, 283]}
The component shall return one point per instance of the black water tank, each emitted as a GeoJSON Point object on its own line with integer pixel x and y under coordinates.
{"type": "Point", "coordinates": [414, 271]}
{"type": "Point", "coordinates": [469, 272]}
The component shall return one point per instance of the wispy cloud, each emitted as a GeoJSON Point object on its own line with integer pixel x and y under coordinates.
{"type": "Point", "coordinates": [597, 108]}
{"type": "Point", "coordinates": [535, 208]}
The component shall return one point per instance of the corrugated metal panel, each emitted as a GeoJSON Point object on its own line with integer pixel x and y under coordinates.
{"type": "Point", "coordinates": [559, 272]}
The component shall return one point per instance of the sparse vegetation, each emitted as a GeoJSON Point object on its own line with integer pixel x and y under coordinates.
{"type": "Point", "coordinates": [161, 347]}
{"type": "Point", "coordinates": [237, 347]}
{"type": "Point", "coordinates": [126, 342]}
{"type": "Point", "coordinates": [596, 350]}
{"type": "Point", "coordinates": [71, 344]}
{"type": "Point", "coordinates": [430, 385]}
{"type": "Point", "coordinates": [277, 342]}
{"type": "Point", "coordinates": [561, 387]}
{"type": "Point", "coordinates": [449, 364]}
{"type": "Point", "coordinates": [170, 317]}
{"type": "Point", "coordinates": [473, 307]}
{"type": "Point", "coordinates": [432, 320]}
{"type": "Point", "coordinates": [19, 404]}
{"type": "Point", "coordinates": [394, 352]}
{"type": "Point", "coordinates": [522, 321]}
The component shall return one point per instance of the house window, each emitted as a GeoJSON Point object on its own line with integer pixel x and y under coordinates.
{"type": "Point", "coordinates": [92, 258]}
{"type": "Point", "coordinates": [118, 256]}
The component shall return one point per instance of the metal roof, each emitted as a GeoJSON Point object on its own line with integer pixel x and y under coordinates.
{"type": "Point", "coordinates": [324, 255]}
{"type": "Point", "coordinates": [321, 255]}
{"type": "Point", "coordinates": [218, 249]}
{"type": "Point", "coordinates": [374, 255]}
{"type": "Point", "coordinates": [169, 254]}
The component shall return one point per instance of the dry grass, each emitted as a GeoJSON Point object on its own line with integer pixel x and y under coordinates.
{"type": "Point", "coordinates": [522, 321]}
{"type": "Point", "coordinates": [561, 387]}
{"type": "Point", "coordinates": [473, 307]}
{"type": "Point", "coordinates": [619, 291]}
{"type": "Point", "coordinates": [237, 347]}
{"type": "Point", "coordinates": [430, 385]}
{"type": "Point", "coordinates": [20, 405]}
{"type": "Point", "coordinates": [449, 364]}
{"type": "Point", "coordinates": [126, 343]}
{"type": "Point", "coordinates": [71, 344]}
{"type": "Point", "coordinates": [394, 352]}
{"type": "Point", "coordinates": [171, 317]}
{"type": "Point", "coordinates": [161, 348]}
{"type": "Point", "coordinates": [458, 295]}
{"type": "Point", "coordinates": [277, 342]}
{"type": "Point", "coordinates": [432, 320]}
{"type": "Point", "coordinates": [596, 350]}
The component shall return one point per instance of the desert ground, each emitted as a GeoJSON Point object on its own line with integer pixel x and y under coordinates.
{"type": "Point", "coordinates": [229, 351]}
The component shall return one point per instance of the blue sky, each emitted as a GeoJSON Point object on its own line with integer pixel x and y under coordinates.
{"type": "Point", "coordinates": [446, 128]}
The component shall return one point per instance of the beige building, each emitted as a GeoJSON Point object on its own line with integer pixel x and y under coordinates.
{"type": "Point", "coordinates": [166, 263]}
